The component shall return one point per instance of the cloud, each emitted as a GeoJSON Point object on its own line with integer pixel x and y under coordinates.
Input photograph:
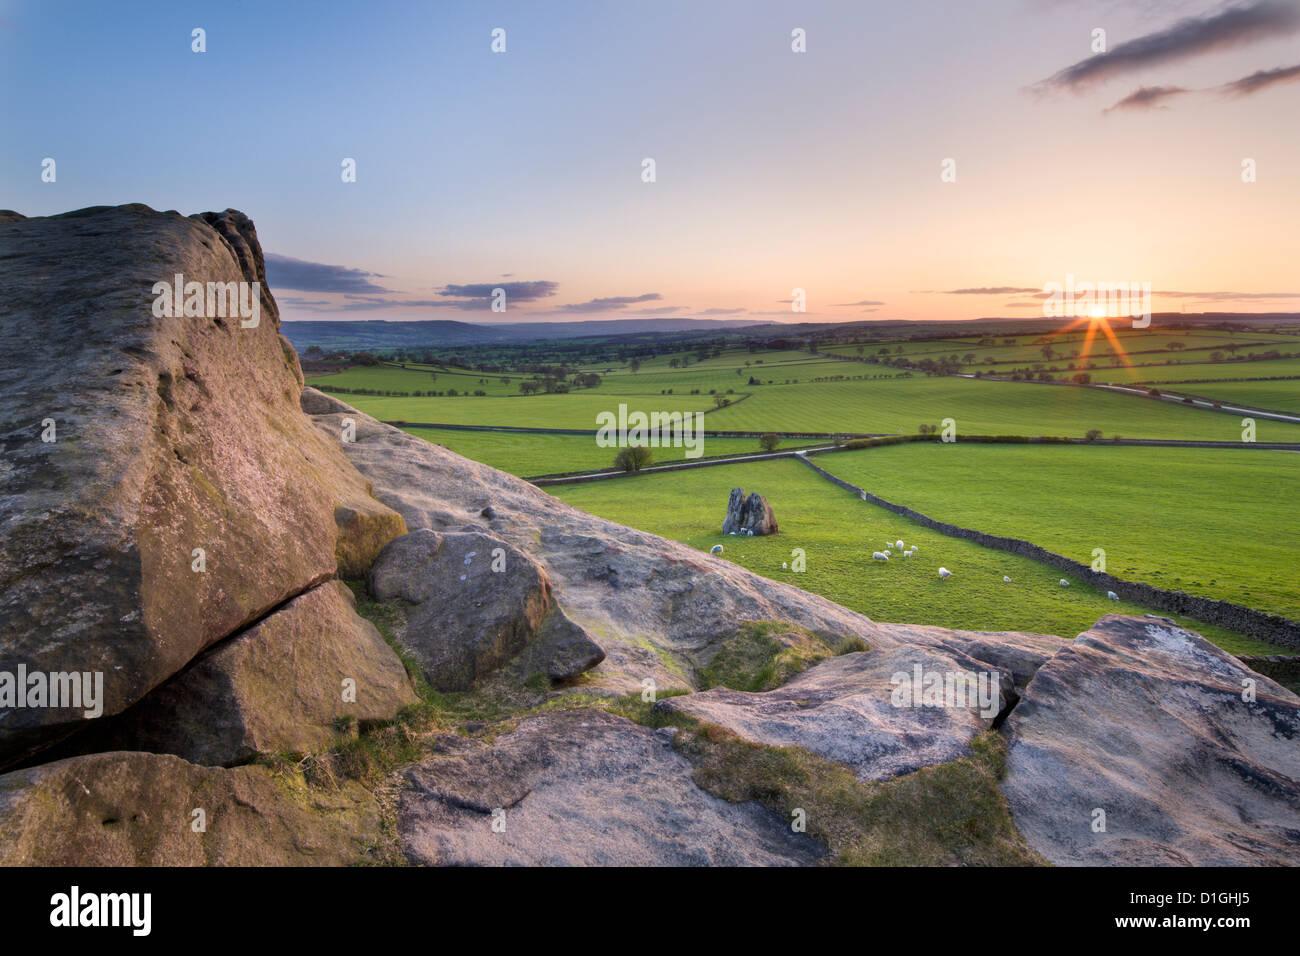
{"type": "Point", "coordinates": [285, 272]}
{"type": "Point", "coordinates": [609, 304]}
{"type": "Point", "coordinates": [1227, 296]}
{"type": "Point", "coordinates": [995, 290]}
{"type": "Point", "coordinates": [846, 305]}
{"type": "Point", "coordinates": [1148, 98]}
{"type": "Point", "coordinates": [1233, 25]}
{"type": "Point", "coordinates": [515, 291]}
{"type": "Point", "coordinates": [1260, 80]}
{"type": "Point", "coordinates": [722, 311]}
{"type": "Point", "coordinates": [657, 310]}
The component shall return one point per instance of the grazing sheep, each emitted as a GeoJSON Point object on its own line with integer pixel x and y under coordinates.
{"type": "Point", "coordinates": [784, 566]}
{"type": "Point", "coordinates": [944, 574]}
{"type": "Point", "coordinates": [888, 552]}
{"type": "Point", "coordinates": [716, 549]}
{"type": "Point", "coordinates": [1006, 579]}
{"type": "Point", "coordinates": [879, 555]}
{"type": "Point", "coordinates": [1112, 595]}
{"type": "Point", "coordinates": [1064, 583]}
{"type": "Point", "coordinates": [907, 554]}
{"type": "Point", "coordinates": [899, 542]}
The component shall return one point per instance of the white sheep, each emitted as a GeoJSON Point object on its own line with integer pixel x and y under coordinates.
{"type": "Point", "coordinates": [888, 552]}
{"type": "Point", "coordinates": [1112, 595]}
{"type": "Point", "coordinates": [716, 549]}
{"type": "Point", "coordinates": [1005, 579]}
{"type": "Point", "coordinates": [784, 566]}
{"type": "Point", "coordinates": [899, 542]}
{"type": "Point", "coordinates": [879, 556]}
{"type": "Point", "coordinates": [944, 574]}
{"type": "Point", "coordinates": [1064, 583]}
{"type": "Point", "coordinates": [907, 554]}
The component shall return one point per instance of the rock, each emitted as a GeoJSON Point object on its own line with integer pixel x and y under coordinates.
{"type": "Point", "coordinates": [170, 435]}
{"type": "Point", "coordinates": [275, 688]}
{"type": "Point", "coordinates": [1017, 652]}
{"type": "Point", "coordinates": [474, 603]}
{"type": "Point", "coordinates": [1145, 721]}
{"type": "Point", "coordinates": [848, 709]}
{"type": "Point", "coordinates": [135, 809]}
{"type": "Point", "coordinates": [653, 605]}
{"type": "Point", "coordinates": [562, 650]}
{"type": "Point", "coordinates": [583, 788]}
{"type": "Point", "coordinates": [489, 512]}
{"type": "Point", "coordinates": [748, 516]}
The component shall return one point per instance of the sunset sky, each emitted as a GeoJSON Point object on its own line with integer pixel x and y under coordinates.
{"type": "Point", "coordinates": [774, 169]}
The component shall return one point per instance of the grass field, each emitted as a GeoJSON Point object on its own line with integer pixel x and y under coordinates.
{"type": "Point", "coordinates": [1211, 523]}
{"type": "Point", "coordinates": [1265, 368]}
{"type": "Point", "coordinates": [520, 453]}
{"type": "Point", "coordinates": [979, 408]}
{"type": "Point", "coordinates": [575, 410]}
{"type": "Point", "coordinates": [838, 532]}
{"type": "Point", "coordinates": [1276, 396]}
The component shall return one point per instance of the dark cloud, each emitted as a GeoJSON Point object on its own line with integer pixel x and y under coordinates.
{"type": "Point", "coordinates": [609, 304]}
{"type": "Point", "coordinates": [1261, 80]}
{"type": "Point", "coordinates": [1148, 98]}
{"type": "Point", "coordinates": [994, 290]}
{"type": "Point", "coordinates": [847, 305]}
{"type": "Point", "coordinates": [285, 272]}
{"type": "Point", "coordinates": [1233, 25]}
{"type": "Point", "coordinates": [515, 291]}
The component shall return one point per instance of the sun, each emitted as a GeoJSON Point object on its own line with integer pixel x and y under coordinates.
{"type": "Point", "coordinates": [1096, 321]}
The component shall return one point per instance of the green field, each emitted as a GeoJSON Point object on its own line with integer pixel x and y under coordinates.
{"type": "Point", "coordinates": [1275, 396]}
{"type": "Point", "coordinates": [1212, 523]}
{"type": "Point", "coordinates": [979, 408]}
{"type": "Point", "coordinates": [523, 454]}
{"type": "Point", "coordinates": [576, 410]}
{"type": "Point", "coordinates": [839, 531]}
{"type": "Point", "coordinates": [1265, 368]}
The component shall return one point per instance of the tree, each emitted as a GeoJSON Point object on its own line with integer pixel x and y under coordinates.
{"type": "Point", "coordinates": [1093, 434]}
{"type": "Point", "coordinates": [769, 441]}
{"type": "Point", "coordinates": [1082, 378]}
{"type": "Point", "coordinates": [634, 365]}
{"type": "Point", "coordinates": [632, 458]}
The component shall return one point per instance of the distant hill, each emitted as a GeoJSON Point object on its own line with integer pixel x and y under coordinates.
{"type": "Point", "coordinates": [379, 334]}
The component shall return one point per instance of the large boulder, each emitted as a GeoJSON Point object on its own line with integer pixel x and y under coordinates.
{"type": "Point", "coordinates": [472, 603]}
{"type": "Point", "coordinates": [136, 809]}
{"type": "Point", "coordinates": [882, 713]}
{"type": "Point", "coordinates": [748, 516]}
{"type": "Point", "coordinates": [136, 449]}
{"type": "Point", "coordinates": [1139, 744]}
{"type": "Point", "coordinates": [278, 687]}
{"type": "Point", "coordinates": [583, 788]}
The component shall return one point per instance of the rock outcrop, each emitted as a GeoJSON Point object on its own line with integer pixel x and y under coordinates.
{"type": "Point", "coordinates": [279, 687]}
{"type": "Point", "coordinates": [472, 603]}
{"type": "Point", "coordinates": [583, 788]}
{"type": "Point", "coordinates": [1135, 746]}
{"type": "Point", "coordinates": [880, 713]}
{"type": "Point", "coordinates": [136, 809]}
{"type": "Point", "coordinates": [748, 516]}
{"type": "Point", "coordinates": [159, 489]}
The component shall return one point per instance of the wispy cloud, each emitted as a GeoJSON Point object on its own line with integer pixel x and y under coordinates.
{"type": "Point", "coordinates": [1261, 80]}
{"type": "Point", "coordinates": [995, 290]}
{"type": "Point", "coordinates": [1229, 26]}
{"type": "Point", "coordinates": [285, 272]}
{"type": "Point", "coordinates": [849, 305]}
{"type": "Point", "coordinates": [722, 311]}
{"type": "Point", "coordinates": [515, 291]}
{"type": "Point", "coordinates": [1148, 98]}
{"type": "Point", "coordinates": [610, 303]}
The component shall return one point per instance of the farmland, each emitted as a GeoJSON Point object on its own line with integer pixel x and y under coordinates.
{"type": "Point", "coordinates": [1206, 521]}
{"type": "Point", "coordinates": [838, 532]}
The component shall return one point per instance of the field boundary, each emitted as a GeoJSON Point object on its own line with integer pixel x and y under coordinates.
{"type": "Point", "coordinates": [1269, 627]}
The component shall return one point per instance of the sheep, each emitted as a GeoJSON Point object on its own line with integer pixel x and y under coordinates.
{"type": "Point", "coordinates": [888, 552]}
{"type": "Point", "coordinates": [1064, 583]}
{"type": "Point", "coordinates": [899, 542]}
{"type": "Point", "coordinates": [785, 566]}
{"type": "Point", "coordinates": [907, 554]}
{"type": "Point", "coordinates": [879, 556]}
{"type": "Point", "coordinates": [1112, 595]}
{"type": "Point", "coordinates": [944, 574]}
{"type": "Point", "coordinates": [1005, 579]}
{"type": "Point", "coordinates": [716, 549]}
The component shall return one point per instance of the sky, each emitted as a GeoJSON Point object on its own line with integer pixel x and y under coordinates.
{"type": "Point", "coordinates": [825, 171]}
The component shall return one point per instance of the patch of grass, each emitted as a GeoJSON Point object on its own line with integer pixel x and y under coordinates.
{"type": "Point", "coordinates": [762, 655]}
{"type": "Point", "coordinates": [952, 814]}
